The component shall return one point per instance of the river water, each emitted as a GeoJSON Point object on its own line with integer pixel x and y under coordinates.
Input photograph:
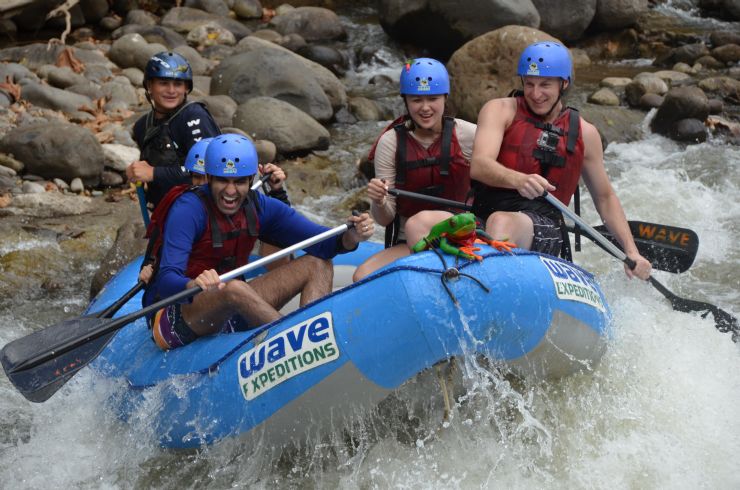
{"type": "Point", "coordinates": [662, 409]}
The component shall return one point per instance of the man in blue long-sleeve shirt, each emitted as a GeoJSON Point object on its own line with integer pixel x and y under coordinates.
{"type": "Point", "coordinates": [211, 230]}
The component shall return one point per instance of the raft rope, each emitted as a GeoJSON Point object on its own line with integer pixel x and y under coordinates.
{"type": "Point", "coordinates": [451, 273]}
{"type": "Point", "coordinates": [444, 380]}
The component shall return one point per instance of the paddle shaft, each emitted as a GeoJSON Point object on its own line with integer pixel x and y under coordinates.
{"type": "Point", "coordinates": [601, 239]}
{"type": "Point", "coordinates": [142, 203]}
{"type": "Point", "coordinates": [432, 199]}
{"type": "Point", "coordinates": [117, 323]}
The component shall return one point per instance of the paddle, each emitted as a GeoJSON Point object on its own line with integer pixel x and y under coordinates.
{"type": "Point", "coordinates": [142, 203]}
{"type": "Point", "coordinates": [668, 248]}
{"type": "Point", "coordinates": [40, 363]}
{"type": "Point", "coordinates": [724, 322]}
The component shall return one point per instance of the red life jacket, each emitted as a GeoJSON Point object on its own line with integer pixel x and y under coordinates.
{"type": "Point", "coordinates": [553, 150]}
{"type": "Point", "coordinates": [225, 243]}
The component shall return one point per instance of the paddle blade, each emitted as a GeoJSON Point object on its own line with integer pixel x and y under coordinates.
{"type": "Point", "coordinates": [38, 371]}
{"type": "Point", "coordinates": [668, 248]}
{"type": "Point", "coordinates": [724, 322]}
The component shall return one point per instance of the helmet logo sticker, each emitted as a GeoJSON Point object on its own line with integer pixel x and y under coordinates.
{"type": "Point", "coordinates": [161, 62]}
{"type": "Point", "coordinates": [423, 85]}
{"type": "Point", "coordinates": [533, 69]}
{"type": "Point", "coordinates": [230, 167]}
{"type": "Point", "coordinates": [200, 165]}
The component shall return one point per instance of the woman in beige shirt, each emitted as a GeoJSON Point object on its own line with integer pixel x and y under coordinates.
{"type": "Point", "coordinates": [423, 151]}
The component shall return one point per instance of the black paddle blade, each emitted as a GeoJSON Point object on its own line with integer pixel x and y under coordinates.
{"type": "Point", "coordinates": [723, 321]}
{"type": "Point", "coordinates": [668, 248]}
{"type": "Point", "coordinates": [37, 371]}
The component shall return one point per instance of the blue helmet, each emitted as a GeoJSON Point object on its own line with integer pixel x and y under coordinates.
{"type": "Point", "coordinates": [545, 59]}
{"type": "Point", "coordinates": [232, 156]}
{"type": "Point", "coordinates": [196, 159]}
{"type": "Point", "coordinates": [424, 76]}
{"type": "Point", "coordinates": [170, 65]}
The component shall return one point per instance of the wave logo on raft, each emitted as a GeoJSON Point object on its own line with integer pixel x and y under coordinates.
{"type": "Point", "coordinates": [293, 351]}
{"type": "Point", "coordinates": [573, 284]}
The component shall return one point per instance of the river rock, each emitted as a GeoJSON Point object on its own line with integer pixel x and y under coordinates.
{"type": "Point", "coordinates": [364, 109]}
{"type": "Point", "coordinates": [612, 15]}
{"type": "Point", "coordinates": [134, 75]}
{"type": "Point", "coordinates": [56, 149]}
{"type": "Point", "coordinates": [118, 157]}
{"type": "Point", "coordinates": [485, 68]}
{"type": "Point", "coordinates": [221, 107]}
{"type": "Point", "coordinates": [16, 72]}
{"type": "Point", "coordinates": [716, 106]}
{"type": "Point", "coordinates": [644, 83]}
{"type": "Point", "coordinates": [615, 124]}
{"type": "Point", "coordinates": [268, 35]}
{"type": "Point", "coordinates": [185, 19]}
{"type": "Point", "coordinates": [604, 96]}
{"type": "Point", "coordinates": [326, 56]}
{"type": "Point", "coordinates": [7, 171]}
{"type": "Point", "coordinates": [728, 53]}
{"type": "Point", "coordinates": [141, 17]}
{"type": "Point", "coordinates": [153, 34]}
{"type": "Point", "coordinates": [216, 7]}
{"type": "Point", "coordinates": [29, 187]}
{"type": "Point", "coordinates": [8, 161]}
{"type": "Point", "coordinates": [247, 9]}
{"type": "Point", "coordinates": [680, 103]}
{"type": "Point", "coordinates": [615, 82]}
{"type": "Point", "coordinates": [690, 130]}
{"type": "Point", "coordinates": [311, 23]}
{"type": "Point", "coordinates": [33, 56]}
{"type": "Point", "coordinates": [565, 19]}
{"type": "Point", "coordinates": [54, 98]}
{"type": "Point", "coordinates": [261, 68]}
{"type": "Point", "coordinates": [132, 50]}
{"type": "Point", "coordinates": [454, 22]}
{"type": "Point", "coordinates": [129, 244]}
{"type": "Point", "coordinates": [726, 87]}
{"type": "Point", "coordinates": [94, 10]}
{"type": "Point", "coordinates": [709, 62]}
{"type": "Point", "coordinates": [650, 101]}
{"type": "Point", "coordinates": [720, 38]}
{"type": "Point", "coordinates": [266, 151]}
{"type": "Point", "coordinates": [209, 34]}
{"type": "Point", "coordinates": [48, 205]}
{"type": "Point", "coordinates": [63, 77]}
{"type": "Point", "coordinates": [291, 129]}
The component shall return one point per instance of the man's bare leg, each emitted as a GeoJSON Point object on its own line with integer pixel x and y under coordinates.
{"type": "Point", "coordinates": [259, 300]}
{"type": "Point", "coordinates": [513, 226]}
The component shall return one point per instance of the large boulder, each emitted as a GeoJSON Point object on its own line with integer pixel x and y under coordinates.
{"type": "Point", "coordinates": [680, 103]}
{"type": "Point", "coordinates": [485, 68]}
{"type": "Point", "coordinates": [262, 68]}
{"type": "Point", "coordinates": [565, 19]}
{"type": "Point", "coordinates": [185, 19]}
{"type": "Point", "coordinates": [443, 25]}
{"type": "Point", "coordinates": [56, 150]}
{"type": "Point", "coordinates": [612, 15]}
{"type": "Point", "coordinates": [292, 130]}
{"type": "Point", "coordinates": [311, 23]}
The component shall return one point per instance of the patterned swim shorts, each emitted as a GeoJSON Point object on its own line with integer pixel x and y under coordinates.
{"type": "Point", "coordinates": [547, 236]}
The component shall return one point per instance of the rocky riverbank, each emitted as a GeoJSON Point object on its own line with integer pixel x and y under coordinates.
{"type": "Point", "coordinates": [298, 79]}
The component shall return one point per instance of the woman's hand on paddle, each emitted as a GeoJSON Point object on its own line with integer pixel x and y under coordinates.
{"type": "Point", "coordinates": [533, 185]}
{"type": "Point", "coordinates": [642, 269]}
{"type": "Point", "coordinates": [377, 190]}
{"type": "Point", "coordinates": [206, 280]}
{"type": "Point", "coordinates": [278, 175]}
{"type": "Point", "coordinates": [363, 230]}
{"type": "Point", "coordinates": [140, 171]}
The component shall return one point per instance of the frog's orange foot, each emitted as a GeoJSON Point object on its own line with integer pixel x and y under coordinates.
{"type": "Point", "coordinates": [470, 251]}
{"type": "Point", "coordinates": [502, 245]}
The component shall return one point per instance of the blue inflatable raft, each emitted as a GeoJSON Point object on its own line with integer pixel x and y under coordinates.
{"type": "Point", "coordinates": [539, 315]}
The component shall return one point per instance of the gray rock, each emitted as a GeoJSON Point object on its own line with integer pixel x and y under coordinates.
{"type": "Point", "coordinates": [216, 7]}
{"type": "Point", "coordinates": [326, 56]}
{"type": "Point", "coordinates": [455, 22]}
{"type": "Point", "coordinates": [63, 77]}
{"type": "Point", "coordinates": [247, 9]}
{"type": "Point", "coordinates": [364, 109]}
{"type": "Point", "coordinates": [266, 151]}
{"type": "Point", "coordinates": [153, 34]}
{"type": "Point", "coordinates": [612, 15]}
{"type": "Point", "coordinates": [10, 162]}
{"type": "Point", "coordinates": [268, 35]}
{"type": "Point", "coordinates": [680, 103]}
{"type": "Point", "coordinates": [726, 87]}
{"type": "Point", "coordinates": [565, 19]}
{"type": "Point", "coordinates": [141, 17]}
{"type": "Point", "coordinates": [36, 55]}
{"type": "Point", "coordinates": [644, 83]}
{"type": "Point", "coordinates": [221, 107]}
{"type": "Point", "coordinates": [650, 101]}
{"type": "Point", "coordinates": [76, 185]}
{"type": "Point", "coordinates": [88, 89]}
{"type": "Point", "coordinates": [210, 34]}
{"type": "Point", "coordinates": [262, 68]}
{"type": "Point", "coordinates": [709, 62]}
{"type": "Point", "coordinates": [56, 149]}
{"type": "Point", "coordinates": [94, 10]}
{"type": "Point", "coordinates": [7, 171]}
{"type": "Point", "coordinates": [720, 38]}
{"type": "Point", "coordinates": [615, 82]}
{"type": "Point", "coordinates": [728, 53]}
{"type": "Point", "coordinates": [604, 96]}
{"type": "Point", "coordinates": [110, 23]}
{"type": "Point", "coordinates": [49, 205]}
{"type": "Point", "coordinates": [121, 94]}
{"type": "Point", "coordinates": [98, 73]}
{"type": "Point", "coordinates": [690, 130]}
{"type": "Point", "coordinates": [118, 157]}
{"type": "Point", "coordinates": [716, 106]}
{"type": "Point", "coordinates": [128, 245]}
{"type": "Point", "coordinates": [184, 19]}
{"type": "Point", "coordinates": [135, 76]}
{"type": "Point", "coordinates": [311, 23]}
{"type": "Point", "coordinates": [61, 185]}
{"type": "Point", "coordinates": [291, 129]}
{"type": "Point", "coordinates": [110, 179]}
{"type": "Point", "coordinates": [54, 98]}
{"type": "Point", "coordinates": [132, 50]}
{"type": "Point", "coordinates": [16, 72]}
{"type": "Point", "coordinates": [32, 188]}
